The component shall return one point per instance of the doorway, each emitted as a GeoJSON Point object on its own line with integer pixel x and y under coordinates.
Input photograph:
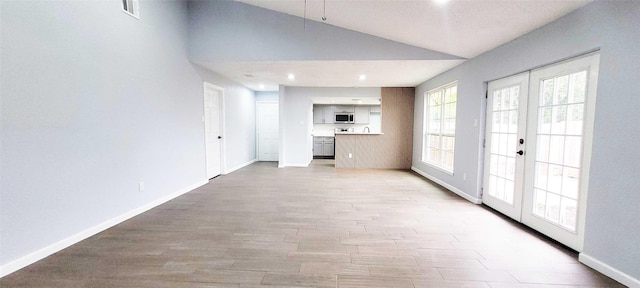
{"type": "Point", "coordinates": [538, 147]}
{"type": "Point", "coordinates": [267, 130]}
{"type": "Point", "coordinates": [213, 111]}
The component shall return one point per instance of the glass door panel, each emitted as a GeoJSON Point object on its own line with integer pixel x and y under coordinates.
{"type": "Point", "coordinates": [506, 115]}
{"type": "Point", "coordinates": [561, 108]}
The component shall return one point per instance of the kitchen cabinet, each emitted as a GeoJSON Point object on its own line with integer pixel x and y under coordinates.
{"type": "Point", "coordinates": [362, 114]}
{"type": "Point", "coordinates": [323, 146]}
{"type": "Point", "coordinates": [328, 149]}
{"type": "Point", "coordinates": [343, 108]}
{"type": "Point", "coordinates": [324, 114]}
{"type": "Point", "coordinates": [329, 114]}
{"type": "Point", "coordinates": [318, 115]}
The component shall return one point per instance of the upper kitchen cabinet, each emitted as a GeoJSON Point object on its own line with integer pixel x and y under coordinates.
{"type": "Point", "coordinates": [329, 114]}
{"type": "Point", "coordinates": [344, 108]}
{"type": "Point", "coordinates": [324, 114]}
{"type": "Point", "coordinates": [362, 114]}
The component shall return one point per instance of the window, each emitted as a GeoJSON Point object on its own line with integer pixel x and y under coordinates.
{"type": "Point", "coordinates": [440, 126]}
{"type": "Point", "coordinates": [131, 7]}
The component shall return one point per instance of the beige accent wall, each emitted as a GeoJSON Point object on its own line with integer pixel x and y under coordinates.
{"type": "Point", "coordinates": [393, 149]}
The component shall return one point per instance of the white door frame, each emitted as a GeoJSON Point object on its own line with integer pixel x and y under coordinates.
{"type": "Point", "coordinates": [223, 161]}
{"type": "Point", "coordinates": [257, 134]}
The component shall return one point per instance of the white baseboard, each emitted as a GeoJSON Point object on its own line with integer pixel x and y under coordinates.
{"type": "Point", "coordinates": [37, 255]}
{"type": "Point", "coordinates": [295, 165]}
{"type": "Point", "coordinates": [466, 196]}
{"type": "Point", "coordinates": [241, 166]}
{"type": "Point", "coordinates": [609, 271]}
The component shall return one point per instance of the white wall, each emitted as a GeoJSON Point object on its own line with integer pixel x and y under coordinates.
{"type": "Point", "coordinates": [239, 120]}
{"type": "Point", "coordinates": [612, 231]}
{"type": "Point", "coordinates": [267, 96]}
{"type": "Point", "coordinates": [296, 108]}
{"type": "Point", "coordinates": [93, 101]}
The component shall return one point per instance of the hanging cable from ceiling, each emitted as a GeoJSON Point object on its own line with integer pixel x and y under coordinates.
{"type": "Point", "coordinates": [305, 15]}
{"type": "Point", "coordinates": [324, 10]}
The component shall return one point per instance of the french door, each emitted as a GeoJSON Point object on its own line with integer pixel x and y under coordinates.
{"type": "Point", "coordinates": [538, 147]}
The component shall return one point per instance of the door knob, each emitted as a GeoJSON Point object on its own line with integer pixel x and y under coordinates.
{"type": "Point", "coordinates": [520, 152]}
{"type": "Point", "coordinates": [219, 137]}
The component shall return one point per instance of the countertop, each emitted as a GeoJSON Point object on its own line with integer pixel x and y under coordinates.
{"type": "Point", "coordinates": [357, 133]}
{"type": "Point", "coordinates": [332, 134]}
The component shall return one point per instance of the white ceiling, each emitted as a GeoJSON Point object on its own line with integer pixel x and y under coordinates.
{"type": "Point", "coordinates": [406, 73]}
{"type": "Point", "coordinates": [465, 28]}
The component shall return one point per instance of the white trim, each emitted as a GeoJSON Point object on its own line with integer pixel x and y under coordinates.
{"type": "Point", "coordinates": [37, 255]}
{"type": "Point", "coordinates": [135, 8]}
{"type": "Point", "coordinates": [240, 166]}
{"type": "Point", "coordinates": [282, 130]}
{"type": "Point", "coordinates": [435, 166]}
{"type": "Point", "coordinates": [294, 165]}
{"type": "Point", "coordinates": [459, 192]}
{"type": "Point", "coordinates": [609, 271]}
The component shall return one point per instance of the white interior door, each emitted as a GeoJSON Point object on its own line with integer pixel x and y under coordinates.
{"type": "Point", "coordinates": [539, 147]}
{"type": "Point", "coordinates": [213, 135]}
{"type": "Point", "coordinates": [268, 130]}
{"type": "Point", "coordinates": [505, 133]}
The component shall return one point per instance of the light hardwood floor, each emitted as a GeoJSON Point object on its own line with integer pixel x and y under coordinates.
{"type": "Point", "coordinates": [314, 227]}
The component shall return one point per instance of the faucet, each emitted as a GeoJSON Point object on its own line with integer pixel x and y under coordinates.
{"type": "Point", "coordinates": [366, 129]}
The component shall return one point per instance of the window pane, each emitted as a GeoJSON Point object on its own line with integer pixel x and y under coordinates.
{"type": "Point", "coordinates": [440, 126]}
{"type": "Point", "coordinates": [553, 208]}
{"type": "Point", "coordinates": [547, 93]}
{"type": "Point", "coordinates": [569, 210]}
{"type": "Point", "coordinates": [540, 203]}
{"type": "Point", "coordinates": [563, 90]}
{"type": "Point", "coordinates": [497, 100]}
{"type": "Point", "coordinates": [556, 150]}
{"type": "Point", "coordinates": [515, 93]}
{"type": "Point", "coordinates": [578, 84]}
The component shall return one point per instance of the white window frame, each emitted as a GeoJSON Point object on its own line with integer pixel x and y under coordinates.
{"type": "Point", "coordinates": [131, 8]}
{"type": "Point", "coordinates": [425, 129]}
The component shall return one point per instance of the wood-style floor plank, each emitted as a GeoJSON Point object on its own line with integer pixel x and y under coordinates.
{"type": "Point", "coordinates": [270, 227]}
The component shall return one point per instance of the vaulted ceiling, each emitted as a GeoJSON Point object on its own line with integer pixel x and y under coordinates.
{"type": "Point", "coordinates": [460, 29]}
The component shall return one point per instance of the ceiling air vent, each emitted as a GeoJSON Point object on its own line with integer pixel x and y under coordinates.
{"type": "Point", "coordinates": [131, 7]}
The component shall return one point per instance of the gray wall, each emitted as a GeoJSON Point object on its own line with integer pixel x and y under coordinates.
{"type": "Point", "coordinates": [94, 101]}
{"type": "Point", "coordinates": [90, 107]}
{"type": "Point", "coordinates": [244, 32]}
{"type": "Point", "coordinates": [612, 229]}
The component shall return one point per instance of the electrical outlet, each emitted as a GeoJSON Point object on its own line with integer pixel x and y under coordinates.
{"type": "Point", "coordinates": [350, 155]}
{"type": "Point", "coordinates": [141, 186]}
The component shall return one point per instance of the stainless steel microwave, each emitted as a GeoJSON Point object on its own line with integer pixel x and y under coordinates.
{"type": "Point", "coordinates": [344, 118]}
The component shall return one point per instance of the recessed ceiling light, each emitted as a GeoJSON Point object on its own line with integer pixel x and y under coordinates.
{"type": "Point", "coordinates": [261, 86]}
{"type": "Point", "coordinates": [291, 76]}
{"type": "Point", "coordinates": [363, 77]}
{"type": "Point", "coordinates": [441, 2]}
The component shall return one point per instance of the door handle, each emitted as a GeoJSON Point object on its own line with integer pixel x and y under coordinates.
{"type": "Point", "coordinates": [520, 152]}
{"type": "Point", "coordinates": [219, 137]}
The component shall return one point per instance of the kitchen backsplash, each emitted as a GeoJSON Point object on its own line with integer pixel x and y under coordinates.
{"type": "Point", "coordinates": [330, 128]}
